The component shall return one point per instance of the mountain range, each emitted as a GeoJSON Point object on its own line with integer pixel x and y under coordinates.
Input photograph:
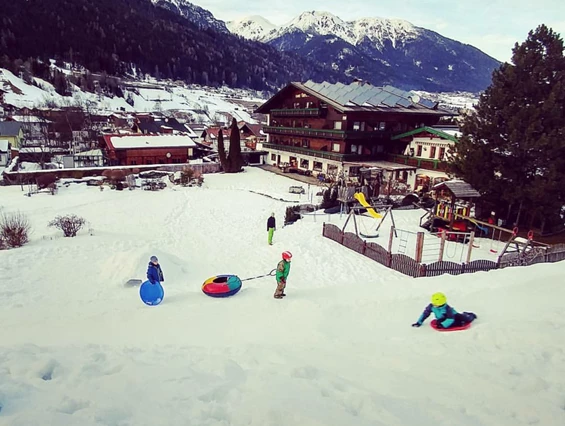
{"type": "Point", "coordinates": [383, 51]}
{"type": "Point", "coordinates": [176, 39]}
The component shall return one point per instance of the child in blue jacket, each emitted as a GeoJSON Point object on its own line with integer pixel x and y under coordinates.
{"type": "Point", "coordinates": [154, 272]}
{"type": "Point", "coordinates": [446, 316]}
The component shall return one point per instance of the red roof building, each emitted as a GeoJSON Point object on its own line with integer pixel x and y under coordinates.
{"type": "Point", "coordinates": [139, 149]}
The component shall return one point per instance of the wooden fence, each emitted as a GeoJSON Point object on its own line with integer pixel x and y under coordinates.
{"type": "Point", "coordinates": [408, 266]}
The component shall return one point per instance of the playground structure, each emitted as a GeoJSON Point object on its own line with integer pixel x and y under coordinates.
{"type": "Point", "coordinates": [354, 211]}
{"type": "Point", "coordinates": [453, 211]}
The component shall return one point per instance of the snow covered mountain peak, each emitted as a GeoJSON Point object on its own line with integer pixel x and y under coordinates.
{"type": "Point", "coordinates": [251, 27]}
{"type": "Point", "coordinates": [318, 23]}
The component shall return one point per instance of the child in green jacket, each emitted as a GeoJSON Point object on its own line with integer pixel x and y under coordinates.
{"type": "Point", "coordinates": [283, 269]}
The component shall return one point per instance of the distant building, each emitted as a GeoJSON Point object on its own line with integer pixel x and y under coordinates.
{"type": "Point", "coordinates": [131, 150]}
{"type": "Point", "coordinates": [12, 132]}
{"type": "Point", "coordinates": [5, 152]}
{"type": "Point", "coordinates": [427, 149]}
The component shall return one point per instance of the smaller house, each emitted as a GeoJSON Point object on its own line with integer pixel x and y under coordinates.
{"type": "Point", "coordinates": [427, 148]}
{"type": "Point", "coordinates": [138, 149]}
{"type": "Point", "coordinates": [5, 152]}
{"type": "Point", "coordinates": [12, 132]}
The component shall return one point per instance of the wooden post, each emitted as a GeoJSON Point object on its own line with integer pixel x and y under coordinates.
{"type": "Point", "coordinates": [442, 245]}
{"type": "Point", "coordinates": [391, 238]}
{"type": "Point", "coordinates": [471, 242]}
{"type": "Point", "coordinates": [419, 247]}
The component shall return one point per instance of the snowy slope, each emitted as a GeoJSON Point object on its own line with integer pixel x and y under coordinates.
{"type": "Point", "coordinates": [79, 348]}
{"type": "Point", "coordinates": [193, 13]}
{"type": "Point", "coordinates": [251, 27]}
{"type": "Point", "coordinates": [202, 102]}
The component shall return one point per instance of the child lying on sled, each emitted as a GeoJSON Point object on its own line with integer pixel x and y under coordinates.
{"type": "Point", "coordinates": [446, 316]}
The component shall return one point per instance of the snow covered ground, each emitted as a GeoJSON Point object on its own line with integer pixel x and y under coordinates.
{"type": "Point", "coordinates": [204, 104]}
{"type": "Point", "coordinates": [79, 348]}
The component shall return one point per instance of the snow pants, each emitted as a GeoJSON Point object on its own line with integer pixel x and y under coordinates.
{"type": "Point", "coordinates": [271, 232]}
{"type": "Point", "coordinates": [280, 288]}
{"type": "Point", "coordinates": [462, 319]}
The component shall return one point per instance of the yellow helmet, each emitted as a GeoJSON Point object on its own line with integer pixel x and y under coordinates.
{"type": "Point", "coordinates": [439, 299]}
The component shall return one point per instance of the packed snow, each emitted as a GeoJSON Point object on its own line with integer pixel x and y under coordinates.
{"type": "Point", "coordinates": [80, 348]}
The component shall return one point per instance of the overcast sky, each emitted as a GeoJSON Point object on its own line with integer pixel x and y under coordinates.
{"type": "Point", "coordinates": [490, 25]}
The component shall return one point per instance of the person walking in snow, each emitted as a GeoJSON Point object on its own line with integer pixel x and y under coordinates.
{"type": "Point", "coordinates": [154, 272]}
{"type": "Point", "coordinates": [446, 316]}
{"type": "Point", "coordinates": [271, 228]}
{"type": "Point", "coordinates": [283, 269]}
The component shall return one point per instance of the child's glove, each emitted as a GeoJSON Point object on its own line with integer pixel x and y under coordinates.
{"type": "Point", "coordinates": [416, 324]}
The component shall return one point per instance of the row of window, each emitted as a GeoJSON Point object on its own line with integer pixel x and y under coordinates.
{"type": "Point", "coordinates": [432, 152]}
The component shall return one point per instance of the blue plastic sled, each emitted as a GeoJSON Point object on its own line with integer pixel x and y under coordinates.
{"type": "Point", "coordinates": [151, 294]}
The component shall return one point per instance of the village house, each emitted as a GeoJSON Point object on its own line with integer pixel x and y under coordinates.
{"type": "Point", "coordinates": [139, 149]}
{"type": "Point", "coordinates": [334, 129]}
{"type": "Point", "coordinates": [12, 132]}
{"type": "Point", "coordinates": [251, 134]}
{"type": "Point", "coordinates": [427, 149]}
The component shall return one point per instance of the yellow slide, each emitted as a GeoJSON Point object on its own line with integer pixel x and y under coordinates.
{"type": "Point", "coordinates": [359, 196]}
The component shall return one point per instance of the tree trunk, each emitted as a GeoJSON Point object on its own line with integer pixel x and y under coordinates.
{"type": "Point", "coordinates": [519, 213]}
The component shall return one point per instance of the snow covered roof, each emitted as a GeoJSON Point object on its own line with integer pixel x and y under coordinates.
{"type": "Point", "coordinates": [4, 145]}
{"type": "Point", "coordinates": [148, 141]}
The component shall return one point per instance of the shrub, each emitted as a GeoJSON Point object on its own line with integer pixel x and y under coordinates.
{"type": "Point", "coordinates": [45, 181]}
{"type": "Point", "coordinates": [186, 175]}
{"type": "Point", "coordinates": [69, 224]}
{"type": "Point", "coordinates": [14, 230]}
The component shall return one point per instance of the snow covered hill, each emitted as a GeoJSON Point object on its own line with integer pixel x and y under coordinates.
{"type": "Point", "coordinates": [389, 51]}
{"type": "Point", "coordinates": [205, 104]}
{"type": "Point", "coordinates": [79, 348]}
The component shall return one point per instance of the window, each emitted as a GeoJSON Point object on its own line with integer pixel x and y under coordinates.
{"type": "Point", "coordinates": [337, 125]}
{"type": "Point", "coordinates": [433, 152]}
{"type": "Point", "coordinates": [354, 149]}
{"type": "Point", "coordinates": [419, 151]}
{"type": "Point", "coordinates": [354, 171]}
{"type": "Point", "coordinates": [382, 126]}
{"type": "Point", "coordinates": [336, 147]}
{"type": "Point", "coordinates": [273, 157]}
{"type": "Point", "coordinates": [442, 153]}
{"type": "Point", "coordinates": [304, 164]}
{"type": "Point", "coordinates": [318, 166]}
{"type": "Point", "coordinates": [356, 125]}
{"type": "Point", "coordinates": [296, 105]}
{"type": "Point", "coordinates": [305, 143]}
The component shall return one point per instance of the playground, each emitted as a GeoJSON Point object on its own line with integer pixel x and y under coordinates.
{"type": "Point", "coordinates": [443, 238]}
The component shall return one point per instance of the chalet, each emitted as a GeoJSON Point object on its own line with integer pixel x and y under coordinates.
{"type": "Point", "coordinates": [251, 134]}
{"type": "Point", "coordinates": [427, 148]}
{"type": "Point", "coordinates": [335, 128]}
{"type": "Point", "coordinates": [12, 132]}
{"type": "Point", "coordinates": [128, 150]}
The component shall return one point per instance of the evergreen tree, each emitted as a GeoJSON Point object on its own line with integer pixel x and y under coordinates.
{"type": "Point", "coordinates": [513, 146]}
{"type": "Point", "coordinates": [235, 160]}
{"type": "Point", "coordinates": [222, 151]}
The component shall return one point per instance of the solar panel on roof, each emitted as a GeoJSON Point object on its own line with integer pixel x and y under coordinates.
{"type": "Point", "coordinates": [378, 99]}
{"type": "Point", "coordinates": [358, 92]}
{"type": "Point", "coordinates": [427, 103]}
{"type": "Point", "coordinates": [391, 100]}
{"type": "Point", "coordinates": [361, 98]}
{"type": "Point", "coordinates": [404, 102]}
{"type": "Point", "coordinates": [309, 83]}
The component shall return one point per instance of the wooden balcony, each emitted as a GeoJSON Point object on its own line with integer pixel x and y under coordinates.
{"type": "Point", "coordinates": [327, 155]}
{"type": "Point", "coordinates": [422, 163]}
{"type": "Point", "coordinates": [296, 112]}
{"type": "Point", "coordinates": [303, 131]}
{"type": "Point", "coordinates": [328, 133]}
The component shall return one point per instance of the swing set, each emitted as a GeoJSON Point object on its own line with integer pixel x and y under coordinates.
{"type": "Point", "coordinates": [371, 209]}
